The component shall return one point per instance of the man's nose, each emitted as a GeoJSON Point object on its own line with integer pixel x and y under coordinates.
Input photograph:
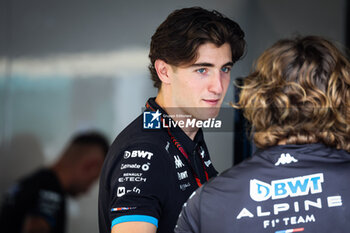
{"type": "Point", "coordinates": [215, 85]}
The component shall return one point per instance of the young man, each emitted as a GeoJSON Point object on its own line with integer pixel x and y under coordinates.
{"type": "Point", "coordinates": [149, 174]}
{"type": "Point", "coordinates": [37, 203]}
{"type": "Point", "coordinates": [298, 103]}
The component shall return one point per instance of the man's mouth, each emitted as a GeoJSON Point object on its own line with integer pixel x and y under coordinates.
{"type": "Point", "coordinates": [211, 102]}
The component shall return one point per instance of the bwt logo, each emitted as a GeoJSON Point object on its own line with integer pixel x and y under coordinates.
{"type": "Point", "coordinates": [138, 153]}
{"type": "Point", "coordinates": [291, 187]}
{"type": "Point", "coordinates": [151, 120]}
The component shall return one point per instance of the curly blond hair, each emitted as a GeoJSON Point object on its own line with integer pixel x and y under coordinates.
{"type": "Point", "coordinates": [299, 93]}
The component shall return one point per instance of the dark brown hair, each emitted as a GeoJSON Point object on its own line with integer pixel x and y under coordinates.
{"type": "Point", "coordinates": [300, 93]}
{"type": "Point", "coordinates": [91, 138]}
{"type": "Point", "coordinates": [177, 39]}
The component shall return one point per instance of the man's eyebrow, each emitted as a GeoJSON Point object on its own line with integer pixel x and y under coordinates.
{"type": "Point", "coordinates": [202, 64]}
{"type": "Point", "coordinates": [205, 64]}
{"type": "Point", "coordinates": [228, 64]}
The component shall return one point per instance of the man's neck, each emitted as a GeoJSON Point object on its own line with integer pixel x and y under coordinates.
{"type": "Point", "coordinates": [59, 169]}
{"type": "Point", "coordinates": [189, 131]}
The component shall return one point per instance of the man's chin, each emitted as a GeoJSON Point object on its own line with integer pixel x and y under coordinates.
{"type": "Point", "coordinates": [207, 113]}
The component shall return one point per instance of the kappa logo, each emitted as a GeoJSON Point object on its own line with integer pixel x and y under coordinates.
{"type": "Point", "coordinates": [178, 162]}
{"type": "Point", "coordinates": [285, 159]}
{"type": "Point", "coordinates": [138, 153]}
{"type": "Point", "coordinates": [297, 186]}
{"type": "Point", "coordinates": [151, 120]}
{"type": "Point", "coordinates": [120, 191]}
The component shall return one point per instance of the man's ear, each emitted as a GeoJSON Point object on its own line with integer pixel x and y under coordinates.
{"type": "Point", "coordinates": [163, 70]}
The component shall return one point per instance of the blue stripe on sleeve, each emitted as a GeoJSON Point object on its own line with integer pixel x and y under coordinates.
{"type": "Point", "coordinates": [135, 218]}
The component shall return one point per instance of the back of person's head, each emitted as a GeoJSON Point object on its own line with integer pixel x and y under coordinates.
{"type": "Point", "coordinates": [177, 39]}
{"type": "Point", "coordinates": [299, 93]}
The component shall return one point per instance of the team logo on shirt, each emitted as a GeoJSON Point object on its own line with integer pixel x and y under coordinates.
{"type": "Point", "coordinates": [138, 154]}
{"type": "Point", "coordinates": [120, 191]}
{"type": "Point", "coordinates": [294, 210]}
{"type": "Point", "coordinates": [131, 179]}
{"type": "Point", "coordinates": [183, 187]}
{"type": "Point", "coordinates": [178, 162]}
{"type": "Point", "coordinates": [144, 167]}
{"type": "Point", "coordinates": [151, 120]}
{"type": "Point", "coordinates": [50, 196]}
{"type": "Point", "coordinates": [285, 159]}
{"type": "Point", "coordinates": [291, 187]}
{"type": "Point", "coordinates": [182, 175]}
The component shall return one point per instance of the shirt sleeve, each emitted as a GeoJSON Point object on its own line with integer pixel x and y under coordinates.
{"type": "Point", "coordinates": [138, 185]}
{"type": "Point", "coordinates": [189, 218]}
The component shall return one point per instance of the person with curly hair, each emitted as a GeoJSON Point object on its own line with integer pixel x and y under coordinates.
{"type": "Point", "coordinates": [297, 101]}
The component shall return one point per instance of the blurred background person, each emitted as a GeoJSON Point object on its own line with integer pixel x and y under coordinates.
{"type": "Point", "coordinates": [37, 202]}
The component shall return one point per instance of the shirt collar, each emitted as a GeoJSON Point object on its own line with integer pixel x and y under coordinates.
{"type": "Point", "coordinates": [188, 144]}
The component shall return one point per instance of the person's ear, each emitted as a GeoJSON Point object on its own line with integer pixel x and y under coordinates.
{"type": "Point", "coordinates": [163, 71]}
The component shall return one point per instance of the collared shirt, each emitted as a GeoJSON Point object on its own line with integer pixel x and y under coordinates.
{"type": "Point", "coordinates": [147, 178]}
{"type": "Point", "coordinates": [39, 194]}
{"type": "Point", "coordinates": [285, 188]}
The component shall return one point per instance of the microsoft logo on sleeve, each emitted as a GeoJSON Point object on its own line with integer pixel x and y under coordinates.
{"type": "Point", "coordinates": [151, 120]}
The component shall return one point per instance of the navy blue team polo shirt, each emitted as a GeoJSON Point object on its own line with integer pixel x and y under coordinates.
{"type": "Point", "coordinates": [285, 188]}
{"type": "Point", "coordinates": [39, 194]}
{"type": "Point", "coordinates": [147, 178]}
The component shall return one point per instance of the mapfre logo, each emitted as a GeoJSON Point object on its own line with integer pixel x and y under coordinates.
{"type": "Point", "coordinates": [138, 154]}
{"type": "Point", "coordinates": [291, 187]}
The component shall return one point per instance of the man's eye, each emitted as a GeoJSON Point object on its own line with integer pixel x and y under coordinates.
{"type": "Point", "coordinates": [226, 69]}
{"type": "Point", "coordinates": [201, 70]}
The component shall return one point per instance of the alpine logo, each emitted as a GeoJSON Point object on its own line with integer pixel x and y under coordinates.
{"type": "Point", "coordinates": [138, 153]}
{"type": "Point", "coordinates": [291, 187]}
{"type": "Point", "coordinates": [285, 159]}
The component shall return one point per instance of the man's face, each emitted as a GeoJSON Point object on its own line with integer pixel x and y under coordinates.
{"type": "Point", "coordinates": [87, 170]}
{"type": "Point", "coordinates": [198, 89]}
